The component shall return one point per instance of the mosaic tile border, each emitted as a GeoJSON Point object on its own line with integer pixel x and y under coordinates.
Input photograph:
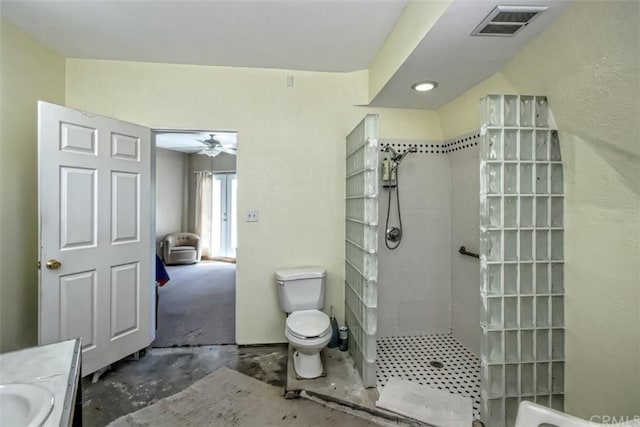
{"type": "Point", "coordinates": [461, 142]}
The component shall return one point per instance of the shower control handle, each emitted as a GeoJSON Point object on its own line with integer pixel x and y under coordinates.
{"type": "Point", "coordinates": [393, 234]}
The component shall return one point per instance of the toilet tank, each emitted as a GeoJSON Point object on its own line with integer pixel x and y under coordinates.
{"type": "Point", "coordinates": [301, 288]}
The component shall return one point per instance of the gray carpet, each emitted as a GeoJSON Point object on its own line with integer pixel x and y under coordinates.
{"type": "Point", "coordinates": [198, 305]}
{"type": "Point", "coordinates": [229, 398]}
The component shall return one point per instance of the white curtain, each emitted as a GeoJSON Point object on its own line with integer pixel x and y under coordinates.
{"type": "Point", "coordinates": [204, 182]}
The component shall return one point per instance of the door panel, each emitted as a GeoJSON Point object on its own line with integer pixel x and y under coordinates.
{"type": "Point", "coordinates": [125, 204]}
{"type": "Point", "coordinates": [217, 225]}
{"type": "Point", "coordinates": [125, 147]}
{"type": "Point", "coordinates": [78, 220]}
{"type": "Point", "coordinates": [125, 290]}
{"type": "Point", "coordinates": [95, 218]}
{"type": "Point", "coordinates": [79, 139]}
{"type": "Point", "coordinates": [78, 307]}
{"type": "Point", "coordinates": [223, 219]}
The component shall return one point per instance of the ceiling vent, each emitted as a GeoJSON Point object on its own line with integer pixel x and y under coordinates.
{"type": "Point", "coordinates": [507, 21]}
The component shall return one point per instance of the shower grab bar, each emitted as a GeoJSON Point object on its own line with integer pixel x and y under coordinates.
{"type": "Point", "coordinates": [464, 251]}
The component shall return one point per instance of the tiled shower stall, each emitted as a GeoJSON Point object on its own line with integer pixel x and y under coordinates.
{"type": "Point", "coordinates": [491, 330]}
{"type": "Point", "coordinates": [428, 293]}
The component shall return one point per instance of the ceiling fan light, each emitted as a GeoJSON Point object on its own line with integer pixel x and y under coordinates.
{"type": "Point", "coordinates": [425, 86]}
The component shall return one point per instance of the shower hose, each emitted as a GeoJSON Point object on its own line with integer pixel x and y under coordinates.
{"type": "Point", "coordinates": [390, 244]}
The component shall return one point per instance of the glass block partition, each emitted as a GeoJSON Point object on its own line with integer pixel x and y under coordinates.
{"type": "Point", "coordinates": [521, 258]}
{"type": "Point", "coordinates": [361, 235]}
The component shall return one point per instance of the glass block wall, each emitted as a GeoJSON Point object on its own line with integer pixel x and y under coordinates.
{"type": "Point", "coordinates": [361, 234]}
{"type": "Point", "coordinates": [521, 258]}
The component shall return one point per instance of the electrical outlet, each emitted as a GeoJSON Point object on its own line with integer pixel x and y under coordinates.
{"type": "Point", "coordinates": [251, 215]}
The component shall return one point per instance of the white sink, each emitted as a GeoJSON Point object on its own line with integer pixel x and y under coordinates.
{"type": "Point", "coordinates": [24, 405]}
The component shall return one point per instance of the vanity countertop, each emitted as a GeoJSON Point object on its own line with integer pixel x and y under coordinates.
{"type": "Point", "coordinates": [56, 367]}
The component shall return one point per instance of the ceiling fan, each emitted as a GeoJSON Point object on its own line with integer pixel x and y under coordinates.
{"type": "Point", "coordinates": [214, 147]}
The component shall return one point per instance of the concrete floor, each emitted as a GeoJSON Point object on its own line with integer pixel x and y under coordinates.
{"type": "Point", "coordinates": [133, 384]}
{"type": "Point", "coordinates": [341, 384]}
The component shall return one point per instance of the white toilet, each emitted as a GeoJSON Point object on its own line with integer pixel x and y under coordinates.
{"type": "Point", "coordinates": [301, 294]}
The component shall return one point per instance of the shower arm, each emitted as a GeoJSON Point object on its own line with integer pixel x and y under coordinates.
{"type": "Point", "coordinates": [387, 148]}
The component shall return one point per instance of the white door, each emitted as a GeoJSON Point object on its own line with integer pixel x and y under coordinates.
{"type": "Point", "coordinates": [95, 223]}
{"type": "Point", "coordinates": [224, 227]}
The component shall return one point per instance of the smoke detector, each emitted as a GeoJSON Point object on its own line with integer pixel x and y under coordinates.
{"type": "Point", "coordinates": [507, 21]}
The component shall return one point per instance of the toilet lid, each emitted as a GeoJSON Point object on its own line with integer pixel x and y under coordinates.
{"type": "Point", "coordinates": [308, 323]}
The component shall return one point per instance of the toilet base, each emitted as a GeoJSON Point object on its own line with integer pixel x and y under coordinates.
{"type": "Point", "coordinates": [308, 366]}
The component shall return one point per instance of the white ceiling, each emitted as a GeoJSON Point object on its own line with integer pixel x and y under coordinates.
{"type": "Point", "coordinates": [317, 35]}
{"type": "Point", "coordinates": [190, 141]}
{"type": "Point", "coordinates": [456, 60]}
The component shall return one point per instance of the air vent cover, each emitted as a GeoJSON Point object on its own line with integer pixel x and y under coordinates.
{"type": "Point", "coordinates": [498, 30]}
{"type": "Point", "coordinates": [507, 21]}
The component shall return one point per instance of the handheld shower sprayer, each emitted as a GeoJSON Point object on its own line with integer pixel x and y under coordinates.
{"type": "Point", "coordinates": [393, 235]}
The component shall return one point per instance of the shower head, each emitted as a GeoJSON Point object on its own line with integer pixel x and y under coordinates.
{"type": "Point", "coordinates": [398, 157]}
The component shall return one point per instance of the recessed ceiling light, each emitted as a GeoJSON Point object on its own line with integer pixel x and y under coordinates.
{"type": "Point", "coordinates": [424, 86]}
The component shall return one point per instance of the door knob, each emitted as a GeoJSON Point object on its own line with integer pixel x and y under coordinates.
{"type": "Point", "coordinates": [53, 264]}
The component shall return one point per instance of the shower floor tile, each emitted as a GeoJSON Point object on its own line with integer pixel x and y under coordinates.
{"type": "Point", "coordinates": [408, 358]}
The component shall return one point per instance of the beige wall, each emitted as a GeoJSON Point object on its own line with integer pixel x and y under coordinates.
{"type": "Point", "coordinates": [588, 64]}
{"type": "Point", "coordinates": [30, 72]}
{"type": "Point", "coordinates": [290, 158]}
{"type": "Point", "coordinates": [462, 115]}
{"type": "Point", "coordinates": [171, 178]}
{"type": "Point", "coordinates": [417, 18]}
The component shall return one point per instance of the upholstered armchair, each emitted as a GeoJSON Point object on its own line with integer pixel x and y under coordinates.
{"type": "Point", "coordinates": [181, 248]}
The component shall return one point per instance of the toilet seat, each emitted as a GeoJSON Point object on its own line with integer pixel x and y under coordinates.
{"type": "Point", "coordinates": [300, 337]}
{"type": "Point", "coordinates": [308, 332]}
{"type": "Point", "coordinates": [308, 324]}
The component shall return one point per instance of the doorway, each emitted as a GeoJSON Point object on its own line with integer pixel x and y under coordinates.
{"type": "Point", "coordinates": [196, 189]}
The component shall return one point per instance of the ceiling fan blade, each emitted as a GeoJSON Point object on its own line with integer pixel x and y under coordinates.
{"type": "Point", "coordinates": [210, 152]}
{"type": "Point", "coordinates": [194, 147]}
{"type": "Point", "coordinates": [230, 150]}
